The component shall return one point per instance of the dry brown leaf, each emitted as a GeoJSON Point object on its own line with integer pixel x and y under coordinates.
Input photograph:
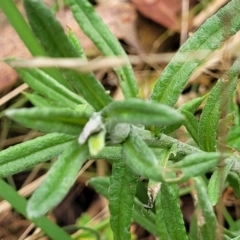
{"type": "Point", "coordinates": [166, 13]}
{"type": "Point", "coordinates": [11, 45]}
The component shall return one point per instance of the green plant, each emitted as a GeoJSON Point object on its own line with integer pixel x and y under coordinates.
{"type": "Point", "coordinates": [83, 122]}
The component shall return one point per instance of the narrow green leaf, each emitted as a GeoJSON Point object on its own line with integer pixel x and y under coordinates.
{"type": "Point", "coordinates": [43, 22]}
{"type": "Point", "coordinates": [28, 154]}
{"type": "Point", "coordinates": [101, 185]}
{"type": "Point", "coordinates": [171, 213]}
{"type": "Point", "coordinates": [207, 39]}
{"type": "Point", "coordinates": [216, 183]}
{"type": "Point", "coordinates": [209, 118]}
{"type": "Point", "coordinates": [206, 219]}
{"type": "Point", "coordinates": [49, 119]}
{"type": "Point", "coordinates": [114, 153]}
{"type": "Point", "coordinates": [122, 191]}
{"type": "Point", "coordinates": [154, 195]}
{"type": "Point", "coordinates": [195, 164]}
{"type": "Point", "coordinates": [58, 180]}
{"type": "Point", "coordinates": [98, 32]}
{"type": "Point", "coordinates": [190, 106]}
{"type": "Point", "coordinates": [49, 87]}
{"type": "Point", "coordinates": [154, 187]}
{"type": "Point", "coordinates": [19, 204]}
{"type": "Point", "coordinates": [166, 141]}
{"type": "Point", "coordinates": [160, 221]}
{"type": "Point", "coordinates": [138, 111]}
{"type": "Point", "coordinates": [225, 124]}
{"type": "Point", "coordinates": [90, 88]}
{"type": "Point", "coordinates": [215, 106]}
{"type": "Point", "coordinates": [140, 158]}
{"type": "Point", "coordinates": [38, 101]}
{"type": "Point", "coordinates": [51, 35]}
{"type": "Point", "coordinates": [144, 218]}
{"type": "Point", "coordinates": [75, 41]}
{"type": "Point", "coordinates": [191, 125]}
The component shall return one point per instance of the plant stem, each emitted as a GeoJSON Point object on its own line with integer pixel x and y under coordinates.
{"type": "Point", "coordinates": [113, 153]}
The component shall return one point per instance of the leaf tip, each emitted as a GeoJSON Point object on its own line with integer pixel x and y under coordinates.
{"type": "Point", "coordinates": [10, 112]}
{"type": "Point", "coordinates": [32, 211]}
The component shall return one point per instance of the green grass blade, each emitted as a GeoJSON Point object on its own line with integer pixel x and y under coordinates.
{"type": "Point", "coordinates": [50, 119]}
{"type": "Point", "coordinates": [17, 21]}
{"type": "Point", "coordinates": [122, 191]}
{"type": "Point", "coordinates": [58, 180]}
{"type": "Point", "coordinates": [207, 39]}
{"type": "Point", "coordinates": [206, 219]}
{"type": "Point", "coordinates": [54, 40]}
{"type": "Point", "coordinates": [28, 154]}
{"type": "Point", "coordinates": [215, 106]}
{"type": "Point", "coordinates": [98, 32]}
{"type": "Point", "coordinates": [19, 204]}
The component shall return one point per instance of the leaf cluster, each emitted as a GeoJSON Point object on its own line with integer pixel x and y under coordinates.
{"type": "Point", "coordinates": [81, 121]}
